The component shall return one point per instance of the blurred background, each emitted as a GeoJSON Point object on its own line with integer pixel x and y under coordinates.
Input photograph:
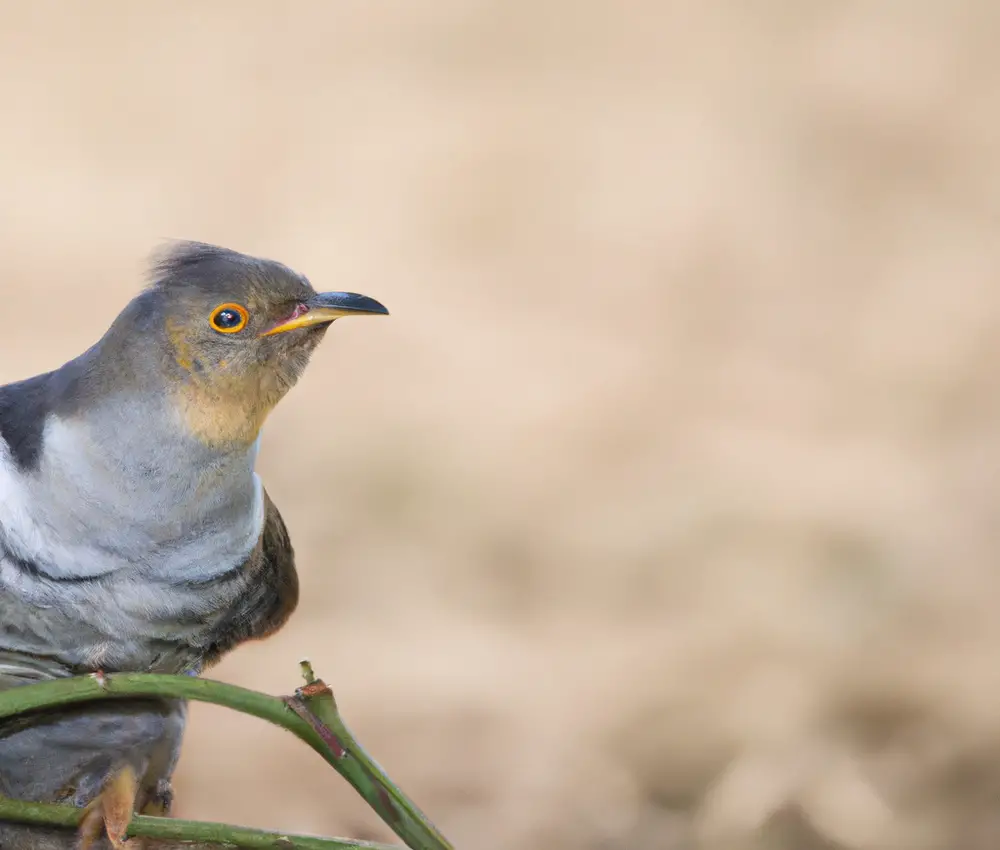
{"type": "Point", "coordinates": [664, 511]}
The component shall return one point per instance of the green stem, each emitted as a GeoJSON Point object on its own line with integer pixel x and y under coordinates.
{"type": "Point", "coordinates": [59, 692]}
{"type": "Point", "coordinates": [316, 704]}
{"type": "Point", "coordinates": [311, 715]}
{"type": "Point", "coordinates": [172, 830]}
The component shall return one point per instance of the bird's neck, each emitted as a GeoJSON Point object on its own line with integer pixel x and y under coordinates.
{"type": "Point", "coordinates": [135, 454]}
{"type": "Point", "coordinates": [119, 486]}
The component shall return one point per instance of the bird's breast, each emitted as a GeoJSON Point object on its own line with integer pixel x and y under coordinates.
{"type": "Point", "coordinates": [119, 556]}
{"type": "Point", "coordinates": [135, 503]}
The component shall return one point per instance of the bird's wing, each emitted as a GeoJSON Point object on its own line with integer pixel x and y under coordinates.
{"type": "Point", "coordinates": [271, 590]}
{"type": "Point", "coordinates": [277, 564]}
{"type": "Point", "coordinates": [18, 668]}
{"type": "Point", "coordinates": [24, 406]}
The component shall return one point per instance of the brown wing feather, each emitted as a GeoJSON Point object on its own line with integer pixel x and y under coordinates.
{"type": "Point", "coordinates": [271, 590]}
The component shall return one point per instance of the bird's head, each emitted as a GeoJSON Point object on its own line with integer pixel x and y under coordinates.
{"type": "Point", "coordinates": [233, 334]}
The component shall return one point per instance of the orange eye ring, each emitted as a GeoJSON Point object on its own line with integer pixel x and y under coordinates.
{"type": "Point", "coordinates": [229, 318]}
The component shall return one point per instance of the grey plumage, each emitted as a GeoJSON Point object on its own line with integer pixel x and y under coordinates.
{"type": "Point", "coordinates": [134, 532]}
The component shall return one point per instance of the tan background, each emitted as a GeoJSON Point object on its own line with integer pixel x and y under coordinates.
{"type": "Point", "coordinates": [664, 511]}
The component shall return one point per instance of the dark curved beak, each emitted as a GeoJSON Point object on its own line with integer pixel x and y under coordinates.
{"type": "Point", "coordinates": [325, 307]}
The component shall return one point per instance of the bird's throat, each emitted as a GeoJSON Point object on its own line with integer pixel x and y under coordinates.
{"type": "Point", "coordinates": [221, 417]}
{"type": "Point", "coordinates": [222, 405]}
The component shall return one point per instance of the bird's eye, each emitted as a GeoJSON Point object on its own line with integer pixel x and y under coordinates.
{"type": "Point", "coordinates": [229, 318]}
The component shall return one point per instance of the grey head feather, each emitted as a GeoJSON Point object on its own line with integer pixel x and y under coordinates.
{"type": "Point", "coordinates": [212, 269]}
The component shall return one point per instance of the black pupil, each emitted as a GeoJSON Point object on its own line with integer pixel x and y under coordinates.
{"type": "Point", "coordinates": [227, 318]}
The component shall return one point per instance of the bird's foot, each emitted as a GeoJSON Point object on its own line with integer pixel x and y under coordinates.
{"type": "Point", "coordinates": [160, 801]}
{"type": "Point", "coordinates": [111, 811]}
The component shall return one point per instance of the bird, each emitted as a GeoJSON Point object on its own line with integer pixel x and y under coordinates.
{"type": "Point", "coordinates": [135, 532]}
